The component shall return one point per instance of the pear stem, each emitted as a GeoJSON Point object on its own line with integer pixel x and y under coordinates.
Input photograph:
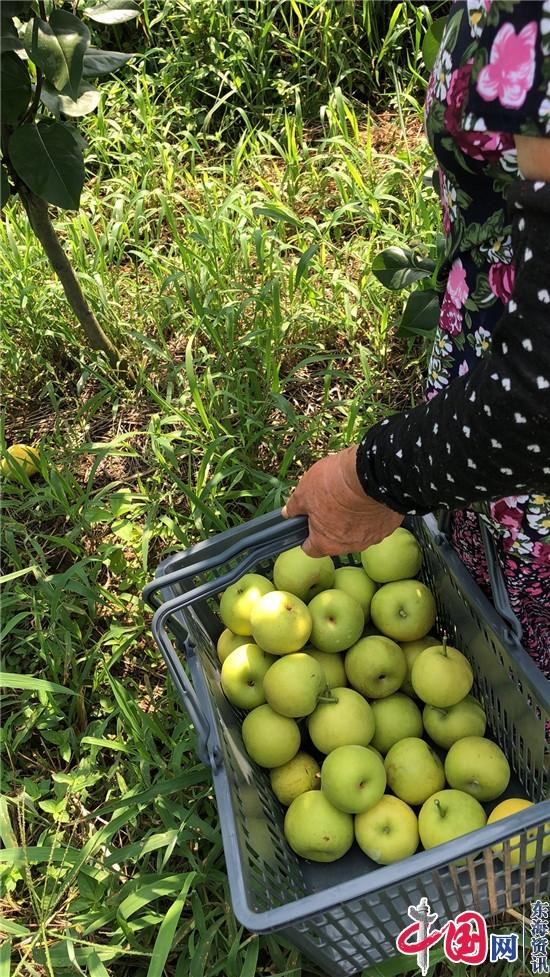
{"type": "Point", "coordinates": [328, 696]}
{"type": "Point", "coordinates": [444, 643]}
{"type": "Point", "coordinates": [441, 810]}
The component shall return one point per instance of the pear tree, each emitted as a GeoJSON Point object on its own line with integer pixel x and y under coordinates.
{"type": "Point", "coordinates": [48, 67]}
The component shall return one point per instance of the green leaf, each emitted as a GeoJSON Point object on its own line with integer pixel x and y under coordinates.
{"type": "Point", "coordinates": [13, 929]}
{"type": "Point", "coordinates": [49, 161]}
{"type": "Point", "coordinates": [5, 958]}
{"type": "Point", "coordinates": [421, 314]}
{"type": "Point", "coordinates": [9, 38]}
{"type": "Point", "coordinates": [98, 62]}
{"type": "Point", "coordinates": [4, 187]}
{"type": "Point", "coordinates": [15, 87]}
{"type": "Point", "coordinates": [144, 894]}
{"type": "Point", "coordinates": [58, 47]}
{"type": "Point", "coordinates": [95, 967]}
{"type": "Point", "coordinates": [432, 42]}
{"type": "Point", "coordinates": [397, 268]}
{"type": "Point", "coordinates": [61, 102]}
{"type": "Point", "coordinates": [167, 931]}
{"type": "Point", "coordinates": [113, 11]}
{"type": "Point", "coordinates": [303, 263]}
{"type": "Point", "coordinates": [11, 680]}
{"type": "Point", "coordinates": [278, 212]}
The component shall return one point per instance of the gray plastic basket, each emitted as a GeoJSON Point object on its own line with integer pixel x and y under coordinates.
{"type": "Point", "coordinates": [345, 916]}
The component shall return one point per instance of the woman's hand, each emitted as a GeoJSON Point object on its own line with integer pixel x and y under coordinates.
{"type": "Point", "coordinates": [342, 518]}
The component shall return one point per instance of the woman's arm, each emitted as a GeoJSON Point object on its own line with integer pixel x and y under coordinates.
{"type": "Point", "coordinates": [486, 436]}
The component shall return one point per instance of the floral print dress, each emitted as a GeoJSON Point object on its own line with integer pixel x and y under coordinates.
{"type": "Point", "coordinates": [491, 80]}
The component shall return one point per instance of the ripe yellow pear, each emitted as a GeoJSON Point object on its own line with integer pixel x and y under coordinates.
{"type": "Point", "coordinates": [300, 774]}
{"type": "Point", "coordinates": [512, 805]}
{"type": "Point", "coordinates": [411, 650]}
{"type": "Point", "coordinates": [25, 456]}
{"type": "Point", "coordinates": [332, 665]}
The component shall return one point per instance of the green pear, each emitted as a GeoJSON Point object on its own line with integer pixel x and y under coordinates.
{"type": "Point", "coordinates": [332, 665]}
{"type": "Point", "coordinates": [413, 770]}
{"type": "Point", "coordinates": [395, 718]}
{"type": "Point", "coordinates": [387, 832]}
{"type": "Point", "coordinates": [403, 610]}
{"type": "Point", "coordinates": [446, 726]}
{"type": "Point", "coordinates": [355, 582]}
{"type": "Point", "coordinates": [227, 642]}
{"type": "Point", "coordinates": [349, 720]}
{"type": "Point", "coordinates": [338, 621]}
{"type": "Point", "coordinates": [238, 600]}
{"type": "Point", "coordinates": [293, 685]}
{"type": "Point", "coordinates": [242, 676]}
{"type": "Point", "coordinates": [302, 575]}
{"type": "Point", "coordinates": [442, 676]}
{"type": "Point", "coordinates": [477, 766]}
{"type": "Point", "coordinates": [281, 622]}
{"type": "Point", "coordinates": [270, 739]}
{"type": "Point", "coordinates": [375, 666]}
{"type": "Point", "coordinates": [397, 557]}
{"type": "Point", "coordinates": [300, 774]}
{"type": "Point", "coordinates": [353, 778]}
{"type": "Point", "coordinates": [316, 830]}
{"type": "Point", "coordinates": [411, 650]}
{"type": "Point", "coordinates": [448, 814]}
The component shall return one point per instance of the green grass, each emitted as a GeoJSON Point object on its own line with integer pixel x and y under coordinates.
{"type": "Point", "coordinates": [225, 242]}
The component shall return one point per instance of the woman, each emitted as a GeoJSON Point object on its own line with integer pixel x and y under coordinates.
{"type": "Point", "coordinates": [483, 434]}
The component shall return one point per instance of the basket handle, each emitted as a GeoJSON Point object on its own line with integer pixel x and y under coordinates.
{"type": "Point", "coordinates": [269, 537]}
{"type": "Point", "coordinates": [270, 528]}
{"type": "Point", "coordinates": [501, 600]}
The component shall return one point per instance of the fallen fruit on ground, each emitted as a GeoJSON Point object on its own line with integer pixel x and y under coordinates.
{"type": "Point", "coordinates": [26, 456]}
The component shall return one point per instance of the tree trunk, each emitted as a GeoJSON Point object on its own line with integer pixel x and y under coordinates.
{"type": "Point", "coordinates": [37, 212]}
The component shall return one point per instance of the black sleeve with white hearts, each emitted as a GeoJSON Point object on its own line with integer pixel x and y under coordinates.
{"type": "Point", "coordinates": [487, 435]}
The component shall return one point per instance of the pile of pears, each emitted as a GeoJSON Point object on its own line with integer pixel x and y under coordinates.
{"type": "Point", "coordinates": [363, 717]}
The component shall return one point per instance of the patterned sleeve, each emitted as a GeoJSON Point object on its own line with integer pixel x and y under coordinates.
{"type": "Point", "coordinates": [509, 88]}
{"type": "Point", "coordinates": [487, 435]}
